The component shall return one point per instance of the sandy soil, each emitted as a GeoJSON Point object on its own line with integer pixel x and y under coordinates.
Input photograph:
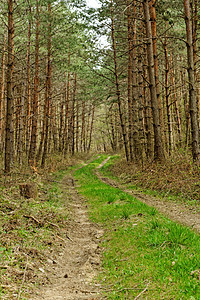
{"type": "Point", "coordinates": [73, 275]}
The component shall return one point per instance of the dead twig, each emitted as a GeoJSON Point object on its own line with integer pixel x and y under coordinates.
{"type": "Point", "coordinates": [89, 292]}
{"type": "Point", "coordinates": [69, 238]}
{"type": "Point", "coordinates": [60, 238]}
{"type": "Point", "coordinates": [20, 290]}
{"type": "Point", "coordinates": [142, 292]}
{"type": "Point", "coordinates": [55, 225]}
{"type": "Point", "coordinates": [33, 218]}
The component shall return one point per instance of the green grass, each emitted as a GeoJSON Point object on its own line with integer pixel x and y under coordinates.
{"type": "Point", "coordinates": [166, 195]}
{"type": "Point", "coordinates": [141, 247]}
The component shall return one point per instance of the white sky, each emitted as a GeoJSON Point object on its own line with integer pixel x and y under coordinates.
{"type": "Point", "coordinates": [93, 3]}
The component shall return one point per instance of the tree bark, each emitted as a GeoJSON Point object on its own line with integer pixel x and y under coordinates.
{"type": "Point", "coordinates": [83, 127]}
{"type": "Point", "coordinates": [77, 125]}
{"type": "Point", "coordinates": [167, 94]}
{"type": "Point", "coordinates": [191, 77]}
{"type": "Point", "coordinates": [9, 103]}
{"type": "Point", "coordinates": [91, 128]}
{"type": "Point", "coordinates": [28, 108]}
{"type": "Point", "coordinates": [48, 90]}
{"type": "Point", "coordinates": [158, 145]}
{"type": "Point", "coordinates": [155, 56]}
{"type": "Point", "coordinates": [34, 127]}
{"type": "Point", "coordinates": [118, 94]}
{"type": "Point", "coordinates": [2, 91]}
{"type": "Point", "coordinates": [130, 106]}
{"type": "Point", "coordinates": [65, 137]}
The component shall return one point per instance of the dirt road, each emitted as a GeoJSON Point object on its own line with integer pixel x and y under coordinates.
{"type": "Point", "coordinates": [73, 276]}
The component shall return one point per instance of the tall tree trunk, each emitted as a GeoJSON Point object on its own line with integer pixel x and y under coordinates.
{"type": "Point", "coordinates": [48, 90]}
{"type": "Point", "coordinates": [45, 115]}
{"type": "Point", "coordinates": [186, 106]}
{"type": "Point", "coordinates": [147, 110]}
{"type": "Point", "coordinates": [158, 145]}
{"type": "Point", "coordinates": [113, 130]}
{"type": "Point", "coordinates": [34, 128]}
{"type": "Point", "coordinates": [195, 19]}
{"type": "Point", "coordinates": [117, 86]}
{"type": "Point", "coordinates": [21, 124]}
{"type": "Point", "coordinates": [9, 103]}
{"type": "Point", "coordinates": [136, 142]}
{"type": "Point", "coordinates": [2, 91]}
{"type": "Point", "coordinates": [140, 92]}
{"type": "Point", "coordinates": [72, 120]}
{"type": "Point", "coordinates": [65, 137]}
{"type": "Point", "coordinates": [167, 94]}
{"type": "Point", "coordinates": [88, 126]}
{"type": "Point", "coordinates": [83, 127]}
{"type": "Point", "coordinates": [28, 82]}
{"type": "Point", "coordinates": [77, 125]}
{"type": "Point", "coordinates": [155, 56]}
{"type": "Point", "coordinates": [130, 106]}
{"type": "Point", "coordinates": [91, 128]}
{"type": "Point", "coordinates": [61, 122]}
{"type": "Point", "coordinates": [191, 77]}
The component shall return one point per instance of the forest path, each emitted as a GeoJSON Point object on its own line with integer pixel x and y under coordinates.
{"type": "Point", "coordinates": [178, 212]}
{"type": "Point", "coordinates": [73, 277]}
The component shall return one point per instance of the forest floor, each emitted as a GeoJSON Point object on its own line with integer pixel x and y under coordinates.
{"type": "Point", "coordinates": [73, 277]}
{"type": "Point", "coordinates": [70, 268]}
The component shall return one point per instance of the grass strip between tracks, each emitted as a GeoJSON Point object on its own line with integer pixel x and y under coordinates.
{"type": "Point", "coordinates": [145, 253]}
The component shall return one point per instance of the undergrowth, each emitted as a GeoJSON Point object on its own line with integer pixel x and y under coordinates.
{"type": "Point", "coordinates": [32, 231]}
{"type": "Point", "coordinates": [144, 252]}
{"type": "Point", "coordinates": [176, 179]}
{"type": "Point", "coordinates": [29, 229]}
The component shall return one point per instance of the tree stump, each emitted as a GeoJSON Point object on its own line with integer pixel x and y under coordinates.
{"type": "Point", "coordinates": [28, 190]}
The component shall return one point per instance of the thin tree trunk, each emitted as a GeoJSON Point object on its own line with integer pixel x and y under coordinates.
{"type": "Point", "coordinates": [61, 123]}
{"type": "Point", "coordinates": [88, 126]}
{"type": "Point", "coordinates": [91, 128]}
{"type": "Point", "coordinates": [48, 90]}
{"type": "Point", "coordinates": [2, 91]}
{"type": "Point", "coordinates": [136, 142]}
{"type": "Point", "coordinates": [191, 77]}
{"type": "Point", "coordinates": [9, 104]}
{"type": "Point", "coordinates": [28, 117]}
{"type": "Point", "coordinates": [33, 143]}
{"type": "Point", "coordinates": [83, 127]}
{"type": "Point", "coordinates": [158, 145]}
{"type": "Point", "coordinates": [167, 94]}
{"type": "Point", "coordinates": [117, 86]}
{"type": "Point", "coordinates": [147, 110]}
{"type": "Point", "coordinates": [21, 125]}
{"type": "Point", "coordinates": [113, 131]}
{"type": "Point", "coordinates": [155, 56]}
{"type": "Point", "coordinates": [65, 137]}
{"type": "Point", "coordinates": [45, 114]}
{"type": "Point", "coordinates": [140, 94]}
{"type": "Point", "coordinates": [175, 101]}
{"type": "Point", "coordinates": [130, 106]}
{"type": "Point", "coordinates": [72, 120]}
{"type": "Point", "coordinates": [77, 125]}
